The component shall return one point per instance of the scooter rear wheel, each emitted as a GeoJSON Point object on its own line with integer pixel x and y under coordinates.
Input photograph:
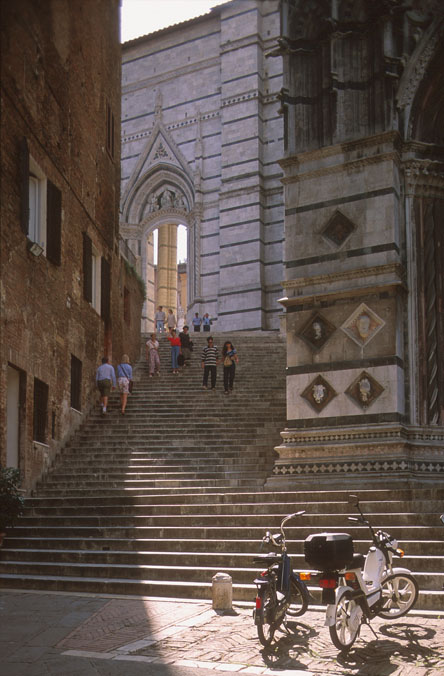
{"type": "Point", "coordinates": [266, 629]}
{"type": "Point", "coordinates": [345, 629]}
{"type": "Point", "coordinates": [399, 595]}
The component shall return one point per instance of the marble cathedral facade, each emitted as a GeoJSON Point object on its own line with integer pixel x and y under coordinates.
{"type": "Point", "coordinates": [201, 138]}
{"type": "Point", "coordinates": [363, 104]}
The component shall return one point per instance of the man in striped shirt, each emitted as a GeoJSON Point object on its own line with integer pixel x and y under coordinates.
{"type": "Point", "coordinates": [210, 360]}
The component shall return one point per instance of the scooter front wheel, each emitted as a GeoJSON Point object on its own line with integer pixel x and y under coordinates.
{"type": "Point", "coordinates": [399, 595]}
{"type": "Point", "coordinates": [348, 615]}
{"type": "Point", "coordinates": [268, 608]}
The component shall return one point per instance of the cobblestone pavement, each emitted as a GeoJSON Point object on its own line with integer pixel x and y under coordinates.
{"type": "Point", "coordinates": [79, 635]}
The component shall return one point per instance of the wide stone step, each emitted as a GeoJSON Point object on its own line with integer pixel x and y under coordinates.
{"type": "Point", "coordinates": [183, 573]}
{"type": "Point", "coordinates": [237, 560]}
{"type": "Point", "coordinates": [428, 600]}
{"type": "Point", "coordinates": [234, 508]}
{"type": "Point", "coordinates": [212, 531]}
{"type": "Point", "coordinates": [418, 550]}
{"type": "Point", "coordinates": [131, 477]}
{"type": "Point", "coordinates": [304, 499]}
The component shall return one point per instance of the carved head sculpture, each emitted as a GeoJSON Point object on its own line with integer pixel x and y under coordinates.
{"type": "Point", "coordinates": [363, 325]}
{"type": "Point", "coordinates": [319, 392]}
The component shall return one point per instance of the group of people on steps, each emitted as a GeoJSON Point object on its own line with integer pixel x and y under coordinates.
{"type": "Point", "coordinates": [181, 346]}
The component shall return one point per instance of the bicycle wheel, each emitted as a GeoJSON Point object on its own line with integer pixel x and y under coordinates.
{"type": "Point", "coordinates": [348, 615]}
{"type": "Point", "coordinates": [399, 594]}
{"type": "Point", "coordinates": [266, 629]}
{"type": "Point", "coordinates": [298, 599]}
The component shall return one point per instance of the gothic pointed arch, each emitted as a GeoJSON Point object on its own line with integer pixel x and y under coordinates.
{"type": "Point", "coordinates": [161, 167]}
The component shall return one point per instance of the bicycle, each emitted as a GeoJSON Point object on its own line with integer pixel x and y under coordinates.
{"type": "Point", "coordinates": [281, 593]}
{"type": "Point", "coordinates": [357, 588]}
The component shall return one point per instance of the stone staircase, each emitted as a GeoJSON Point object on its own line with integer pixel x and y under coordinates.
{"type": "Point", "coordinates": [156, 502]}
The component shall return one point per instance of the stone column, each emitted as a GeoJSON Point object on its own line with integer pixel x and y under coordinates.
{"type": "Point", "coordinates": [167, 267]}
{"type": "Point", "coordinates": [150, 308]}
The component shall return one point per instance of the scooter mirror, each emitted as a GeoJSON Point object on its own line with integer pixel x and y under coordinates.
{"type": "Point", "coordinates": [353, 500]}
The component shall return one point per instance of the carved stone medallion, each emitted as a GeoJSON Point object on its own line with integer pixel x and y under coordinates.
{"type": "Point", "coordinates": [319, 393]}
{"type": "Point", "coordinates": [338, 229]}
{"type": "Point", "coordinates": [363, 325]}
{"type": "Point", "coordinates": [317, 331]}
{"type": "Point", "coordinates": [364, 390]}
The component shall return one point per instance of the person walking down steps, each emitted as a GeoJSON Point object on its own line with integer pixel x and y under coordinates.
{"type": "Point", "coordinates": [230, 359]}
{"type": "Point", "coordinates": [210, 360]}
{"type": "Point", "coordinates": [175, 350]}
{"type": "Point", "coordinates": [152, 355]}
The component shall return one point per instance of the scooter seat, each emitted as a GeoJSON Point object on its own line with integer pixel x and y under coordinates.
{"type": "Point", "coordinates": [268, 558]}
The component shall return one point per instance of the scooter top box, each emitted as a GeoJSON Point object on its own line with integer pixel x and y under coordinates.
{"type": "Point", "coordinates": [329, 551]}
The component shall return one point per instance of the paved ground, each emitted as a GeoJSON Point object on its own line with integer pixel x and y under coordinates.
{"type": "Point", "coordinates": [51, 634]}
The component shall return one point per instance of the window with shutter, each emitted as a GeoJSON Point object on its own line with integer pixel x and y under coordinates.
{"type": "Point", "coordinates": [24, 185]}
{"type": "Point", "coordinates": [126, 306]}
{"type": "Point", "coordinates": [53, 223]}
{"type": "Point", "coordinates": [105, 290]}
{"type": "Point", "coordinates": [87, 268]}
{"type": "Point", "coordinates": [109, 130]}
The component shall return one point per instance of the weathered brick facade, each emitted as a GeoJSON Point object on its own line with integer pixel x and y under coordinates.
{"type": "Point", "coordinates": [60, 112]}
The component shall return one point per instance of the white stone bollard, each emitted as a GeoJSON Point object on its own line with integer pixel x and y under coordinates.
{"type": "Point", "coordinates": [222, 591]}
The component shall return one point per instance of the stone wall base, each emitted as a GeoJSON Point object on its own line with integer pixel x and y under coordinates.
{"type": "Point", "coordinates": [374, 455]}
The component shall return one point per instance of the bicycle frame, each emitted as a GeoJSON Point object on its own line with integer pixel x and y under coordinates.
{"type": "Point", "coordinates": [278, 577]}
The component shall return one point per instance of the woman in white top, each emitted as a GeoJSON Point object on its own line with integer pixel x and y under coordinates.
{"type": "Point", "coordinates": [171, 320]}
{"type": "Point", "coordinates": [152, 355]}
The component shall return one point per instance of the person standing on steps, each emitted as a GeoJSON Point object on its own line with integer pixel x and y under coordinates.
{"type": "Point", "coordinates": [171, 321]}
{"type": "Point", "coordinates": [197, 321]}
{"type": "Point", "coordinates": [160, 320]}
{"type": "Point", "coordinates": [175, 350]}
{"type": "Point", "coordinates": [206, 322]}
{"type": "Point", "coordinates": [124, 377]}
{"type": "Point", "coordinates": [186, 344]}
{"type": "Point", "coordinates": [210, 360]}
{"type": "Point", "coordinates": [152, 355]}
{"type": "Point", "coordinates": [105, 381]}
{"type": "Point", "coordinates": [230, 359]}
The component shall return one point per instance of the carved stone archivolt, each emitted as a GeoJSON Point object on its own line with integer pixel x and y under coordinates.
{"type": "Point", "coordinates": [317, 331]}
{"type": "Point", "coordinates": [363, 325]}
{"type": "Point", "coordinates": [166, 199]}
{"type": "Point", "coordinates": [319, 393]}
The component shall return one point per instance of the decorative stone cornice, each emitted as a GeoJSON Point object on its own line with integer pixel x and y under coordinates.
{"type": "Point", "coordinates": [389, 269]}
{"type": "Point", "coordinates": [390, 137]}
{"type": "Point", "coordinates": [344, 167]}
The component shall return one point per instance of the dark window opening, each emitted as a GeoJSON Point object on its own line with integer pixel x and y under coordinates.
{"type": "Point", "coordinates": [109, 130]}
{"type": "Point", "coordinates": [40, 410]}
{"type": "Point", "coordinates": [76, 383]}
{"type": "Point", "coordinates": [126, 306]}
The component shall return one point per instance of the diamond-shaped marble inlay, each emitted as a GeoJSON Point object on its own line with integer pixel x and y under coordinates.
{"type": "Point", "coordinates": [363, 325]}
{"type": "Point", "coordinates": [338, 229]}
{"type": "Point", "coordinates": [364, 390]}
{"type": "Point", "coordinates": [319, 393]}
{"type": "Point", "coordinates": [317, 331]}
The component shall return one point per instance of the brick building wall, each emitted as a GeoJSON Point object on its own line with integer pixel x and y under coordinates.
{"type": "Point", "coordinates": [60, 176]}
